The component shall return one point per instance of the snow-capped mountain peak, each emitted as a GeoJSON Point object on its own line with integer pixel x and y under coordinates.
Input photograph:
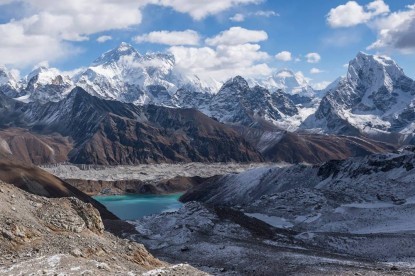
{"type": "Point", "coordinates": [123, 50]}
{"type": "Point", "coordinates": [375, 98]}
{"type": "Point", "coordinates": [45, 75]}
{"type": "Point", "coordinates": [288, 78]}
{"type": "Point", "coordinates": [9, 83]}
{"type": "Point", "coordinates": [46, 84]}
{"type": "Point", "coordinates": [6, 76]}
{"type": "Point", "coordinates": [126, 75]}
{"type": "Point", "coordinates": [237, 83]}
{"type": "Point", "coordinates": [374, 72]}
{"type": "Point", "coordinates": [287, 81]}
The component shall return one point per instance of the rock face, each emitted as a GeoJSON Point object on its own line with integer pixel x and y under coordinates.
{"type": "Point", "coordinates": [165, 135]}
{"type": "Point", "coordinates": [61, 236]}
{"type": "Point", "coordinates": [374, 98]}
{"type": "Point", "coordinates": [315, 149]}
{"type": "Point", "coordinates": [79, 216]}
{"type": "Point", "coordinates": [31, 148]}
{"type": "Point", "coordinates": [277, 145]}
{"type": "Point", "coordinates": [237, 103]}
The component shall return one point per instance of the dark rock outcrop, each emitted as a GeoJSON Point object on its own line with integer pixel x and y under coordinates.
{"type": "Point", "coordinates": [42, 183]}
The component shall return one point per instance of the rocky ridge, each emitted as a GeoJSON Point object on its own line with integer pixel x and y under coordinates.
{"type": "Point", "coordinates": [61, 235]}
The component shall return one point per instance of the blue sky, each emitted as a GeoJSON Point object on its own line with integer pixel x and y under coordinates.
{"type": "Point", "coordinates": [335, 30]}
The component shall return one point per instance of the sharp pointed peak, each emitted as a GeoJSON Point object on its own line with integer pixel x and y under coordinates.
{"type": "Point", "coordinates": [364, 60]}
{"type": "Point", "coordinates": [236, 81]}
{"type": "Point", "coordinates": [124, 46]}
{"type": "Point", "coordinates": [123, 49]}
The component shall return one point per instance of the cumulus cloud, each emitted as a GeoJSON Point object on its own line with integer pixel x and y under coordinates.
{"type": "Point", "coordinates": [351, 13]}
{"type": "Point", "coordinates": [187, 37]}
{"type": "Point", "coordinates": [315, 71]}
{"type": "Point", "coordinates": [222, 62]}
{"type": "Point", "coordinates": [395, 30]}
{"type": "Point", "coordinates": [104, 38]}
{"type": "Point", "coordinates": [236, 36]}
{"type": "Point", "coordinates": [284, 56]}
{"type": "Point", "coordinates": [313, 57]}
{"type": "Point", "coordinates": [44, 28]}
{"type": "Point", "coordinates": [19, 49]}
{"type": "Point", "coordinates": [231, 52]}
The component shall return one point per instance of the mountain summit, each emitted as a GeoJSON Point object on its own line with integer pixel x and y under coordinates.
{"type": "Point", "coordinates": [287, 81]}
{"type": "Point", "coordinates": [375, 97]}
{"type": "Point", "coordinates": [126, 75]}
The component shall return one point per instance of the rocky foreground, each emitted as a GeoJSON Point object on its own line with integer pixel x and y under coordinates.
{"type": "Point", "coordinates": [65, 236]}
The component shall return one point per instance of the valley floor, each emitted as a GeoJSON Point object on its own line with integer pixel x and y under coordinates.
{"type": "Point", "coordinates": [148, 172]}
{"type": "Point", "coordinates": [144, 179]}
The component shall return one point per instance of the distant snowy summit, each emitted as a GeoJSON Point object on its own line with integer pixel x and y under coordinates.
{"type": "Point", "coordinates": [374, 98]}
{"type": "Point", "coordinates": [126, 75]}
{"type": "Point", "coordinates": [287, 81]}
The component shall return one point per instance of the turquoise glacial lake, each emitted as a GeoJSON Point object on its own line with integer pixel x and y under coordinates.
{"type": "Point", "coordinates": [132, 207]}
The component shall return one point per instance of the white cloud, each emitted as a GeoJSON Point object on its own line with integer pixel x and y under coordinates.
{"type": "Point", "coordinates": [48, 26]}
{"type": "Point", "coordinates": [104, 38]}
{"type": "Point", "coordinates": [284, 56]}
{"type": "Point", "coordinates": [201, 8]}
{"type": "Point", "coordinates": [239, 17]}
{"type": "Point", "coordinates": [351, 13]}
{"type": "Point", "coordinates": [222, 62]}
{"type": "Point", "coordinates": [21, 50]}
{"type": "Point", "coordinates": [315, 71]}
{"type": "Point", "coordinates": [396, 31]}
{"type": "Point", "coordinates": [378, 7]}
{"type": "Point", "coordinates": [43, 28]}
{"type": "Point", "coordinates": [187, 37]}
{"type": "Point", "coordinates": [313, 57]}
{"type": "Point", "coordinates": [236, 36]}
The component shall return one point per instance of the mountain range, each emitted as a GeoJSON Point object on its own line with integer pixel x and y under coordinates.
{"type": "Point", "coordinates": [128, 108]}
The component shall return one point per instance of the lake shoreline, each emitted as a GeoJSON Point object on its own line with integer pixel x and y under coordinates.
{"type": "Point", "coordinates": [133, 207]}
